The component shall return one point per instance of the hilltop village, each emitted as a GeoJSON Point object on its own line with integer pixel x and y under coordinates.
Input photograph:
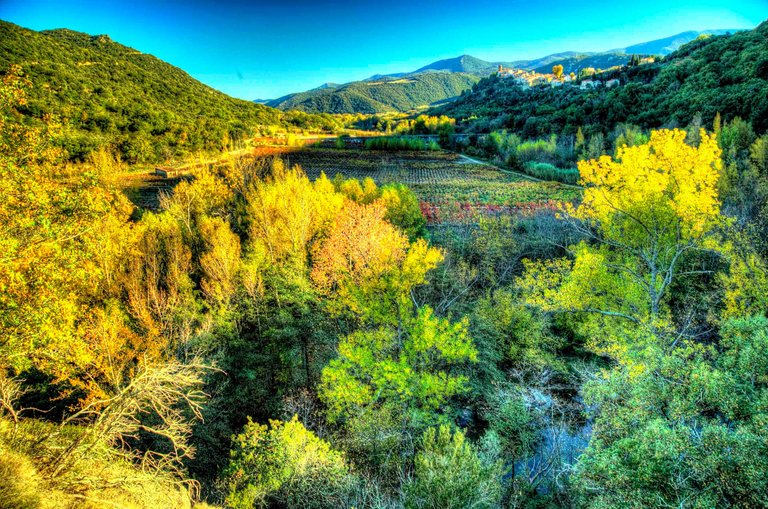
{"type": "Point", "coordinates": [586, 78]}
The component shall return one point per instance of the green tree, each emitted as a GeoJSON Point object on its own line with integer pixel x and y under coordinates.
{"type": "Point", "coordinates": [285, 464]}
{"type": "Point", "coordinates": [407, 367]}
{"type": "Point", "coordinates": [688, 431]}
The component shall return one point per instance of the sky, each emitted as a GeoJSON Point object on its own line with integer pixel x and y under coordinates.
{"type": "Point", "coordinates": [266, 49]}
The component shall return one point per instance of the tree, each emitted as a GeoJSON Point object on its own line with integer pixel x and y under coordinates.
{"type": "Point", "coordinates": [48, 266]}
{"type": "Point", "coordinates": [646, 214]}
{"type": "Point", "coordinates": [407, 367]}
{"type": "Point", "coordinates": [687, 432]}
{"type": "Point", "coordinates": [557, 70]}
{"type": "Point", "coordinates": [368, 266]}
{"type": "Point", "coordinates": [285, 464]}
{"type": "Point", "coordinates": [286, 212]}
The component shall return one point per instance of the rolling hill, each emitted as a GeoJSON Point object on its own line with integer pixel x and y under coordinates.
{"type": "Point", "coordinates": [383, 94]}
{"type": "Point", "coordinates": [445, 79]}
{"type": "Point", "coordinates": [109, 94]}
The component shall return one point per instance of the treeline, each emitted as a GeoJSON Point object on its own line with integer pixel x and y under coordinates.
{"type": "Point", "coordinates": [726, 74]}
{"type": "Point", "coordinates": [104, 94]}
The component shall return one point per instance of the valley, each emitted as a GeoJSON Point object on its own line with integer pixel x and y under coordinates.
{"type": "Point", "coordinates": [527, 282]}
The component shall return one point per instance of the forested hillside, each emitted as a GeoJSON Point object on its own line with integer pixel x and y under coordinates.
{"type": "Point", "coordinates": [104, 93]}
{"type": "Point", "coordinates": [726, 74]}
{"type": "Point", "coordinates": [380, 95]}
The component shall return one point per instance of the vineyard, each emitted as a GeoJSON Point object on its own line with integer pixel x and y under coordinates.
{"type": "Point", "coordinates": [449, 187]}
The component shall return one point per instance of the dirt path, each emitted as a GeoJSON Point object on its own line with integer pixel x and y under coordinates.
{"type": "Point", "coordinates": [512, 172]}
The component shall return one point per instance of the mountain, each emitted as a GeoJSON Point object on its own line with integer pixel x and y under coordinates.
{"type": "Point", "coordinates": [109, 94]}
{"type": "Point", "coordinates": [726, 74]}
{"type": "Point", "coordinates": [667, 45]}
{"type": "Point", "coordinates": [405, 91]}
{"type": "Point", "coordinates": [572, 61]}
{"type": "Point", "coordinates": [383, 94]}
{"type": "Point", "coordinates": [464, 63]}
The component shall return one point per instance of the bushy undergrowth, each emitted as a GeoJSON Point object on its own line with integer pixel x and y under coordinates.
{"type": "Point", "coordinates": [400, 143]}
{"type": "Point", "coordinates": [98, 478]}
{"type": "Point", "coordinates": [546, 171]}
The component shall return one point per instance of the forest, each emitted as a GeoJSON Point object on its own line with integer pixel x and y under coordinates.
{"type": "Point", "coordinates": [274, 336]}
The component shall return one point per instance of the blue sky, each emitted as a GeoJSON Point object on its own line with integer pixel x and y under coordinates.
{"type": "Point", "coordinates": [267, 49]}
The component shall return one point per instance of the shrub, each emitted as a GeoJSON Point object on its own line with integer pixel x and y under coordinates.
{"type": "Point", "coordinates": [537, 150]}
{"type": "Point", "coordinates": [399, 143]}
{"type": "Point", "coordinates": [546, 171]}
{"type": "Point", "coordinates": [19, 482]}
{"type": "Point", "coordinates": [448, 473]}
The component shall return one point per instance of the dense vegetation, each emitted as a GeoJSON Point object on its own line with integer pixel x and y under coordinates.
{"type": "Point", "coordinates": [105, 94]}
{"type": "Point", "coordinates": [726, 74]}
{"type": "Point", "coordinates": [271, 340]}
{"type": "Point", "coordinates": [381, 95]}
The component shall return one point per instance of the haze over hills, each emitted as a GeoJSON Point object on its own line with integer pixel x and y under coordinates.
{"type": "Point", "coordinates": [383, 93]}
{"type": "Point", "coordinates": [667, 45]}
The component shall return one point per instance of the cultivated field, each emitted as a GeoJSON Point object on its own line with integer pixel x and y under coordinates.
{"type": "Point", "coordinates": [448, 185]}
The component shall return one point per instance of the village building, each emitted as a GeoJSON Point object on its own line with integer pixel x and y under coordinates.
{"type": "Point", "coordinates": [612, 83]}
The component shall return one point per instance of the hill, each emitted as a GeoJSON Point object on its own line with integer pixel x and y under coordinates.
{"type": "Point", "coordinates": [464, 63]}
{"type": "Point", "coordinates": [379, 95]}
{"type": "Point", "coordinates": [404, 91]}
{"type": "Point", "coordinates": [726, 74]}
{"type": "Point", "coordinates": [105, 93]}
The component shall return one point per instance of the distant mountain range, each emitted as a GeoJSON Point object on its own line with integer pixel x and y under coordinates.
{"type": "Point", "coordinates": [444, 80]}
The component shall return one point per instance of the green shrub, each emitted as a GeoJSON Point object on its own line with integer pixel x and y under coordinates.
{"type": "Point", "coordinates": [399, 143]}
{"type": "Point", "coordinates": [537, 150]}
{"type": "Point", "coordinates": [448, 473]}
{"type": "Point", "coordinates": [546, 171]}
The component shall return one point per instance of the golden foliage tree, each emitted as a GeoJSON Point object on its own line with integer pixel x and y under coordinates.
{"type": "Point", "coordinates": [369, 264]}
{"type": "Point", "coordinates": [645, 214]}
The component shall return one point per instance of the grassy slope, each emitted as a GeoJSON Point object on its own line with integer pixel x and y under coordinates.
{"type": "Point", "coordinates": [98, 480]}
{"type": "Point", "coordinates": [382, 95]}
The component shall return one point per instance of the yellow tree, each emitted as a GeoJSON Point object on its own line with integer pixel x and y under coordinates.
{"type": "Point", "coordinates": [50, 220]}
{"type": "Point", "coordinates": [557, 70]}
{"type": "Point", "coordinates": [288, 211]}
{"type": "Point", "coordinates": [645, 213]}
